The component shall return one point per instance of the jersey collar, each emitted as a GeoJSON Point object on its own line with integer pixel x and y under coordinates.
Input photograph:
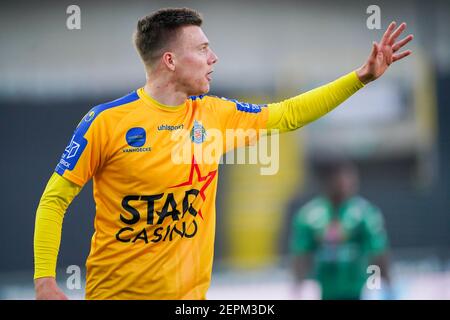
{"type": "Point", "coordinates": [152, 102]}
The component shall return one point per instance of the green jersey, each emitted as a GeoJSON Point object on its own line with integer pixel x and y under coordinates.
{"type": "Point", "coordinates": [342, 240]}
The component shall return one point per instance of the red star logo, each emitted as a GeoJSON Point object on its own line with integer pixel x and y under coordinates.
{"type": "Point", "coordinates": [207, 180]}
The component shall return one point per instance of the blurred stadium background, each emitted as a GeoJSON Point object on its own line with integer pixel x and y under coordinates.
{"type": "Point", "coordinates": [396, 130]}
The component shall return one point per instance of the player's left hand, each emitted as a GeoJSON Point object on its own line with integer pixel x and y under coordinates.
{"type": "Point", "coordinates": [384, 53]}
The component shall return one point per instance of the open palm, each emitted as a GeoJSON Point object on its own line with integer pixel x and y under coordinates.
{"type": "Point", "coordinates": [384, 53]}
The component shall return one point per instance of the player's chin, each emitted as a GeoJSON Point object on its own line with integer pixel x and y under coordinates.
{"type": "Point", "coordinates": [200, 87]}
{"type": "Point", "coordinates": [204, 89]}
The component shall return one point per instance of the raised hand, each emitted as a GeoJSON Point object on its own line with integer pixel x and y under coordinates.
{"type": "Point", "coordinates": [384, 53]}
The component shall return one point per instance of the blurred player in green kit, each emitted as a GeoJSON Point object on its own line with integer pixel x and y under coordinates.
{"type": "Point", "coordinates": [337, 235]}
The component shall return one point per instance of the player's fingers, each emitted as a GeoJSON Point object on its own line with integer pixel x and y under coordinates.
{"type": "Point", "coordinates": [396, 33]}
{"type": "Point", "coordinates": [401, 55]}
{"type": "Point", "coordinates": [373, 53]}
{"type": "Point", "coordinates": [387, 33]}
{"type": "Point", "coordinates": [402, 42]}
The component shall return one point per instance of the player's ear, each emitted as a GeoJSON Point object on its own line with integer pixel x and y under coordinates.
{"type": "Point", "coordinates": [169, 60]}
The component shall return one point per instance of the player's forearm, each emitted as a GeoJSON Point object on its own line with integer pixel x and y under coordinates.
{"type": "Point", "coordinates": [57, 196]}
{"type": "Point", "coordinates": [298, 111]}
{"type": "Point", "coordinates": [47, 237]}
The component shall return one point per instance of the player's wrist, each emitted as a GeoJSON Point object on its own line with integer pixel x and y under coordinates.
{"type": "Point", "coordinates": [44, 282]}
{"type": "Point", "coordinates": [364, 75]}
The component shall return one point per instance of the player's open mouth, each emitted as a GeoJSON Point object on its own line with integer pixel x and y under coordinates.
{"type": "Point", "coordinates": [208, 75]}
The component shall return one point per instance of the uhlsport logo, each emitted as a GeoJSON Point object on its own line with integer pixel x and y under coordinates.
{"type": "Point", "coordinates": [170, 127]}
{"type": "Point", "coordinates": [198, 133]}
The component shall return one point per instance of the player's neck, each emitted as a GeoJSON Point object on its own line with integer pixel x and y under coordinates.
{"type": "Point", "coordinates": [164, 92]}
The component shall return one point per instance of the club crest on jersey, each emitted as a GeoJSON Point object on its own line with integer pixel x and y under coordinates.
{"type": "Point", "coordinates": [198, 133]}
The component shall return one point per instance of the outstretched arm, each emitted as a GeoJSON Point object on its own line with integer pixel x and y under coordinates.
{"type": "Point", "coordinates": [298, 111]}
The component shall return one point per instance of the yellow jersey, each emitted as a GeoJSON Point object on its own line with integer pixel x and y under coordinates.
{"type": "Point", "coordinates": [155, 215]}
{"type": "Point", "coordinates": [155, 178]}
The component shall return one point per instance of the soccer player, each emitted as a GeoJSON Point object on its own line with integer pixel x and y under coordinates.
{"type": "Point", "coordinates": [155, 217]}
{"type": "Point", "coordinates": [337, 235]}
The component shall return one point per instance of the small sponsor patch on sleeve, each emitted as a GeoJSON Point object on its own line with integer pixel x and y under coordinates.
{"type": "Point", "coordinates": [247, 107]}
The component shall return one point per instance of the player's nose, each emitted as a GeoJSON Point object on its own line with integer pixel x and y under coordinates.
{"type": "Point", "coordinates": [213, 58]}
